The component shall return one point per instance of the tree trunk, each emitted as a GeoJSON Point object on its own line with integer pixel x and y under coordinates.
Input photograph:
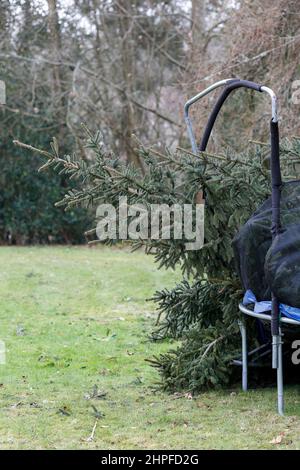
{"type": "Point", "coordinates": [128, 74]}
{"type": "Point", "coordinates": [58, 79]}
{"type": "Point", "coordinates": [198, 25]}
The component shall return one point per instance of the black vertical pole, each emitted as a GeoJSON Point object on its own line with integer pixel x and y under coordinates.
{"type": "Point", "coordinates": [276, 226]}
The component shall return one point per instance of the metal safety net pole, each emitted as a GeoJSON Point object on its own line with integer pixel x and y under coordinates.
{"type": "Point", "coordinates": [230, 85]}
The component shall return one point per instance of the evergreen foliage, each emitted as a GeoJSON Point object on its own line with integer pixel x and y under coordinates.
{"type": "Point", "coordinates": [202, 310]}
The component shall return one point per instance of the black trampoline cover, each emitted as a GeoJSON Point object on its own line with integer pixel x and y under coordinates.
{"type": "Point", "coordinates": [265, 265]}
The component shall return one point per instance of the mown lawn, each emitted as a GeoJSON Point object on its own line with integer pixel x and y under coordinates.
{"type": "Point", "coordinates": [76, 324]}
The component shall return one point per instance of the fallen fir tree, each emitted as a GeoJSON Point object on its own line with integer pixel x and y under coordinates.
{"type": "Point", "coordinates": [202, 310]}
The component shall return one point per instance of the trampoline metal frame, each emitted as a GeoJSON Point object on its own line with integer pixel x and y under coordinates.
{"type": "Point", "coordinates": [230, 85]}
{"type": "Point", "coordinates": [243, 330]}
{"type": "Point", "coordinates": [208, 90]}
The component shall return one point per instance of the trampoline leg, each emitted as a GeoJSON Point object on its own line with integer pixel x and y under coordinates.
{"type": "Point", "coordinates": [243, 330]}
{"type": "Point", "coordinates": [280, 377]}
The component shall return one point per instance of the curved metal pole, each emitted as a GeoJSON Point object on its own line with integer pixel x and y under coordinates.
{"type": "Point", "coordinates": [192, 101]}
{"type": "Point", "coordinates": [274, 102]}
{"type": "Point", "coordinates": [230, 85]}
{"type": "Point", "coordinates": [265, 316]}
{"type": "Point", "coordinates": [212, 87]}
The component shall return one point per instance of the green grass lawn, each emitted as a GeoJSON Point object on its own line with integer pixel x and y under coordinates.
{"type": "Point", "coordinates": [75, 323]}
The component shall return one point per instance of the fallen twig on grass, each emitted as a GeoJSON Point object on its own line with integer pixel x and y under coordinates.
{"type": "Point", "coordinates": [91, 437]}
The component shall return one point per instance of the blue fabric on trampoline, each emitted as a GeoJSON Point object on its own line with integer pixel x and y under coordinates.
{"type": "Point", "coordinates": [266, 306]}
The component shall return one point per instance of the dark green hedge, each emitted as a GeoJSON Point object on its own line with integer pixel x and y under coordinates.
{"type": "Point", "coordinates": [27, 212]}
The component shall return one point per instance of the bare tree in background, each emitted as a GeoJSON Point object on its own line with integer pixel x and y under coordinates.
{"type": "Point", "coordinates": [258, 41]}
{"type": "Point", "coordinates": [126, 67]}
{"type": "Point", "coordinates": [58, 82]}
{"type": "Point", "coordinates": [134, 62]}
{"type": "Point", "coordinates": [115, 65]}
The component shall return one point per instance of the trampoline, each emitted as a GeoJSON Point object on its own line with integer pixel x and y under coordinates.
{"type": "Point", "coordinates": [267, 252]}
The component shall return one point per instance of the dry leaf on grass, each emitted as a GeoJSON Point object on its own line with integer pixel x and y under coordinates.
{"type": "Point", "coordinates": [278, 439]}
